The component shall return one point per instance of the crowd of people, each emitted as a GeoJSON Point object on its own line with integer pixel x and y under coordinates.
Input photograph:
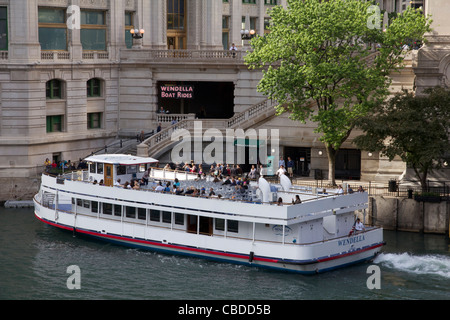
{"type": "Point", "coordinates": [64, 165]}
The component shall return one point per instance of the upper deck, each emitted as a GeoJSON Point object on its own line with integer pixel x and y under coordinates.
{"type": "Point", "coordinates": [314, 206]}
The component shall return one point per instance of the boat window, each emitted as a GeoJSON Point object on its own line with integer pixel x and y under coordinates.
{"type": "Point", "coordinates": [99, 167]}
{"type": "Point", "coordinates": [80, 202]}
{"type": "Point", "coordinates": [142, 168]}
{"type": "Point", "coordinates": [166, 216]}
{"type": "Point", "coordinates": [142, 213]}
{"type": "Point", "coordinates": [92, 167]}
{"type": "Point", "coordinates": [86, 204]}
{"type": "Point", "coordinates": [130, 212]}
{"type": "Point", "coordinates": [107, 208]}
{"type": "Point", "coordinates": [154, 215]}
{"type": "Point", "coordinates": [233, 226]}
{"type": "Point", "coordinates": [94, 206]}
{"type": "Point", "coordinates": [179, 218]}
{"type": "Point", "coordinates": [219, 224]}
{"type": "Point", "coordinates": [117, 210]}
{"type": "Point", "coordinates": [131, 169]}
{"type": "Point", "coordinates": [121, 170]}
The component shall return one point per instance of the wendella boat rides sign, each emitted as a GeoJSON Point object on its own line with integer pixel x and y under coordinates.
{"type": "Point", "coordinates": [177, 91]}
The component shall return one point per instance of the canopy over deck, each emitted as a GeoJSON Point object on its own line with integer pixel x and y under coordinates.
{"type": "Point", "coordinates": [120, 159]}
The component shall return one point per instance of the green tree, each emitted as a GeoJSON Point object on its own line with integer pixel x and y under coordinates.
{"type": "Point", "coordinates": [415, 128]}
{"type": "Point", "coordinates": [328, 62]}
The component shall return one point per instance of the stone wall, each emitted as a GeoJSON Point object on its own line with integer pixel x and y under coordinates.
{"type": "Point", "coordinates": [403, 214]}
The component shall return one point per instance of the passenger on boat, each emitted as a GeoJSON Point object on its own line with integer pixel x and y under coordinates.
{"type": "Point", "coordinates": [281, 171]}
{"type": "Point", "coordinates": [227, 181]}
{"type": "Point", "coordinates": [211, 192]}
{"type": "Point", "coordinates": [178, 191]}
{"type": "Point", "coordinates": [176, 183]}
{"type": "Point", "coordinates": [159, 187]}
{"type": "Point", "coordinates": [136, 185]}
{"type": "Point", "coordinates": [145, 176]}
{"type": "Point", "coordinates": [359, 226]}
{"type": "Point", "coordinates": [117, 183]}
{"type": "Point", "coordinates": [340, 190]}
{"type": "Point", "coordinates": [280, 201]}
{"type": "Point", "coordinates": [297, 200]}
{"type": "Point", "coordinates": [252, 173]}
{"type": "Point", "coordinates": [360, 189]}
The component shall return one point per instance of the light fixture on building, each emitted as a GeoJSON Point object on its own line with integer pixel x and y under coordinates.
{"type": "Point", "coordinates": [320, 152]}
{"type": "Point", "coordinates": [370, 154]}
{"type": "Point", "coordinates": [247, 34]}
{"type": "Point", "coordinates": [137, 33]}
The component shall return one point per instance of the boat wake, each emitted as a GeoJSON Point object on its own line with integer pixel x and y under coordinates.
{"type": "Point", "coordinates": [423, 265]}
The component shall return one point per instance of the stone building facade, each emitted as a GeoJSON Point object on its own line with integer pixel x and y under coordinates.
{"type": "Point", "coordinates": [72, 81]}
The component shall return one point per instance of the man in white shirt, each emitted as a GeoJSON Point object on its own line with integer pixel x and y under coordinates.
{"type": "Point", "coordinates": [359, 226]}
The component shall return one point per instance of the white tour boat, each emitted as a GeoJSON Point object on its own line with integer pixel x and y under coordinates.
{"type": "Point", "coordinates": [247, 227]}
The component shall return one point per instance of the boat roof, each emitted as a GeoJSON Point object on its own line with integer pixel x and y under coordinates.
{"type": "Point", "coordinates": [120, 159]}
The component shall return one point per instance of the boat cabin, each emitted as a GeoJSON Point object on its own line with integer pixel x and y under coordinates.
{"type": "Point", "coordinates": [111, 167]}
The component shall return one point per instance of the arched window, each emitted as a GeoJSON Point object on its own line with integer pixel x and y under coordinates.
{"type": "Point", "coordinates": [54, 89]}
{"type": "Point", "coordinates": [93, 87]}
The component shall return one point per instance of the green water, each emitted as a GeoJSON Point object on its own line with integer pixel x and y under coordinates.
{"type": "Point", "coordinates": [34, 259]}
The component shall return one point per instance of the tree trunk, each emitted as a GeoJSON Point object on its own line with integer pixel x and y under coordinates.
{"type": "Point", "coordinates": [331, 154]}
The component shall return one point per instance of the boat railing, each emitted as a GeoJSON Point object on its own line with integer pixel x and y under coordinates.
{"type": "Point", "coordinates": [248, 197]}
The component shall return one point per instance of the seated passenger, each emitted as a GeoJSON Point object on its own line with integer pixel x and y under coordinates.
{"type": "Point", "coordinates": [297, 200]}
{"type": "Point", "coordinates": [159, 187]}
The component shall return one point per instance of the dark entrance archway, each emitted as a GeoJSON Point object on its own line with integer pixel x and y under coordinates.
{"type": "Point", "coordinates": [212, 100]}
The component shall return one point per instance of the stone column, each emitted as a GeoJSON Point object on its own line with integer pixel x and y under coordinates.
{"type": "Point", "coordinates": [74, 35]}
{"type": "Point", "coordinates": [236, 22]}
{"type": "Point", "coordinates": [24, 46]}
{"type": "Point", "coordinates": [211, 27]}
{"type": "Point", "coordinates": [116, 29]}
{"type": "Point", "coordinates": [155, 23]}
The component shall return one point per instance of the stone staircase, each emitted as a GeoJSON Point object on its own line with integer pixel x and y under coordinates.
{"type": "Point", "coordinates": [161, 141]}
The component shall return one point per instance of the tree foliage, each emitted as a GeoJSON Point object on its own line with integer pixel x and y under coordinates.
{"type": "Point", "coordinates": [320, 64]}
{"type": "Point", "coordinates": [415, 128]}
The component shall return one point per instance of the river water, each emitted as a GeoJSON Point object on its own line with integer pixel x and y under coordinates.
{"type": "Point", "coordinates": [34, 261]}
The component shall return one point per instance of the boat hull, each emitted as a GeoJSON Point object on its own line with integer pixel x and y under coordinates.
{"type": "Point", "coordinates": [307, 266]}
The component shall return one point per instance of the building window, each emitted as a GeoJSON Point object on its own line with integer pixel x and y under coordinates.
{"type": "Point", "coordinates": [54, 123]}
{"type": "Point", "coordinates": [249, 1]}
{"type": "Point", "coordinates": [225, 32]}
{"type": "Point", "coordinates": [53, 89]}
{"type": "Point", "coordinates": [94, 120]}
{"type": "Point", "coordinates": [270, 2]}
{"type": "Point", "coordinates": [93, 87]}
{"type": "Point", "coordinates": [3, 28]}
{"type": "Point", "coordinates": [93, 30]}
{"type": "Point", "coordinates": [128, 27]}
{"type": "Point", "coordinates": [175, 15]}
{"type": "Point", "coordinates": [52, 29]}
